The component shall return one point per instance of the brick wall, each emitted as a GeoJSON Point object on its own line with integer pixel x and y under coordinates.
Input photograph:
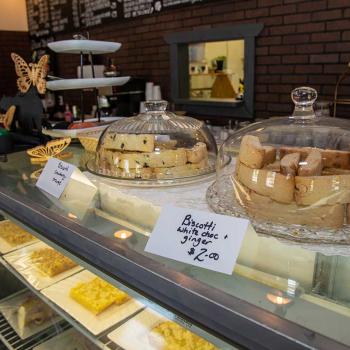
{"type": "Point", "coordinates": [303, 43]}
{"type": "Point", "coordinates": [11, 41]}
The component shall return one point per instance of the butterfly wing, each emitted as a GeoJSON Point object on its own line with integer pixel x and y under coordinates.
{"type": "Point", "coordinates": [39, 74]}
{"type": "Point", "coordinates": [51, 149]}
{"type": "Point", "coordinates": [57, 146]}
{"type": "Point", "coordinates": [9, 117]}
{"type": "Point", "coordinates": [23, 72]}
{"type": "Point", "coordinates": [38, 152]}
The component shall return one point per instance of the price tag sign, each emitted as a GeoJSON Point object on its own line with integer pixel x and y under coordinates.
{"type": "Point", "coordinates": [55, 177]}
{"type": "Point", "coordinates": [204, 239]}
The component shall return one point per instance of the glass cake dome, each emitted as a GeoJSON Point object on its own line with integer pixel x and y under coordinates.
{"type": "Point", "coordinates": [155, 148]}
{"type": "Point", "coordinates": [290, 176]}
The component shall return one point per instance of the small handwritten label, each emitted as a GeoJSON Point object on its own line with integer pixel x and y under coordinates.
{"type": "Point", "coordinates": [55, 177]}
{"type": "Point", "coordinates": [204, 239]}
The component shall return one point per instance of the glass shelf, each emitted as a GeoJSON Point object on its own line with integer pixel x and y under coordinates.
{"type": "Point", "coordinates": [102, 340]}
{"type": "Point", "coordinates": [279, 293]}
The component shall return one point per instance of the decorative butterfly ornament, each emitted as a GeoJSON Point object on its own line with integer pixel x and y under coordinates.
{"type": "Point", "coordinates": [31, 74]}
{"type": "Point", "coordinates": [7, 117]}
{"type": "Point", "coordinates": [53, 148]}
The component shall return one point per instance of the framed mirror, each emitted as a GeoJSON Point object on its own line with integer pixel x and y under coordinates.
{"type": "Point", "coordinates": [212, 70]}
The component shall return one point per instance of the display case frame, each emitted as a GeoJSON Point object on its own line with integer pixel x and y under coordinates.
{"type": "Point", "coordinates": [225, 316]}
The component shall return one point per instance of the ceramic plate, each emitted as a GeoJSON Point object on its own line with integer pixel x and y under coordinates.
{"type": "Point", "coordinates": [96, 324]}
{"type": "Point", "coordinates": [20, 260]}
{"type": "Point", "coordinates": [88, 83]}
{"type": "Point", "coordinates": [86, 46]}
{"type": "Point", "coordinates": [5, 247]}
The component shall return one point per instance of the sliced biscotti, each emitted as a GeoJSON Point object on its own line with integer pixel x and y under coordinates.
{"type": "Point", "coordinates": [322, 190]}
{"type": "Point", "coordinates": [253, 154]}
{"type": "Point", "coordinates": [267, 183]}
{"type": "Point", "coordinates": [330, 158]}
{"type": "Point", "coordinates": [188, 169]}
{"type": "Point", "coordinates": [275, 166]}
{"type": "Point", "coordinates": [270, 154]}
{"type": "Point", "coordinates": [336, 159]}
{"type": "Point", "coordinates": [265, 208]}
{"type": "Point", "coordinates": [335, 171]}
{"type": "Point", "coordinates": [290, 163]}
{"type": "Point", "coordinates": [160, 159]}
{"type": "Point", "coordinates": [313, 164]}
{"type": "Point", "coordinates": [129, 142]}
{"type": "Point", "coordinates": [328, 216]}
{"type": "Point", "coordinates": [303, 151]}
{"type": "Point", "coordinates": [197, 153]}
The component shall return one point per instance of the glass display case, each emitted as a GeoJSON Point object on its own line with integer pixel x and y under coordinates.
{"type": "Point", "coordinates": [279, 296]}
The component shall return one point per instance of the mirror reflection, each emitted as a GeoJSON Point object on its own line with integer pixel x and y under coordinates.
{"type": "Point", "coordinates": [216, 70]}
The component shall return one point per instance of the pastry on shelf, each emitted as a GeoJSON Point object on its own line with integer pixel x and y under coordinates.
{"type": "Point", "coordinates": [13, 234]}
{"type": "Point", "coordinates": [33, 311]}
{"type": "Point", "coordinates": [97, 295]}
{"type": "Point", "coordinates": [170, 336]}
{"type": "Point", "coordinates": [51, 262]}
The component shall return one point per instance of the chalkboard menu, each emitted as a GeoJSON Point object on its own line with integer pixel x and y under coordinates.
{"type": "Point", "coordinates": [48, 17]}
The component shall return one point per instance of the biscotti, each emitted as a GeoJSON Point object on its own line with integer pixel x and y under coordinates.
{"type": "Point", "coordinates": [290, 164]}
{"type": "Point", "coordinates": [253, 154]}
{"type": "Point", "coordinates": [330, 158]}
{"type": "Point", "coordinates": [181, 171]}
{"type": "Point", "coordinates": [322, 190]}
{"type": "Point", "coordinates": [267, 183]}
{"type": "Point", "coordinates": [197, 153]}
{"type": "Point", "coordinates": [304, 186]}
{"type": "Point", "coordinates": [262, 207]}
{"type": "Point", "coordinates": [275, 166]}
{"type": "Point", "coordinates": [313, 164]}
{"type": "Point", "coordinates": [129, 142]}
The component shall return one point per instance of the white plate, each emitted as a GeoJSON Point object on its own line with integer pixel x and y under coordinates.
{"type": "Point", "coordinates": [59, 294]}
{"type": "Point", "coordinates": [9, 307]}
{"type": "Point", "coordinates": [75, 133]}
{"type": "Point", "coordinates": [134, 334]}
{"type": "Point", "coordinates": [85, 46]}
{"type": "Point", "coordinates": [20, 261]}
{"type": "Point", "coordinates": [5, 247]}
{"type": "Point", "coordinates": [88, 83]}
{"type": "Point", "coordinates": [68, 340]}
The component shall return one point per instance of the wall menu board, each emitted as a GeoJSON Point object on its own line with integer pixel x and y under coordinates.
{"type": "Point", "coordinates": [88, 13]}
{"type": "Point", "coordinates": [47, 17]}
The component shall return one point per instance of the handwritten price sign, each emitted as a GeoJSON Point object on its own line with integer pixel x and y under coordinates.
{"type": "Point", "coordinates": [199, 238]}
{"type": "Point", "coordinates": [55, 177]}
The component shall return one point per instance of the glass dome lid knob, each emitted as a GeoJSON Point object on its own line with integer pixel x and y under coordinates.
{"type": "Point", "coordinates": [304, 98]}
{"type": "Point", "coordinates": [156, 105]}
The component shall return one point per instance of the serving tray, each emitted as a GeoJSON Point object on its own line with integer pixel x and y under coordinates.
{"type": "Point", "coordinates": [88, 83]}
{"type": "Point", "coordinates": [94, 47]}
